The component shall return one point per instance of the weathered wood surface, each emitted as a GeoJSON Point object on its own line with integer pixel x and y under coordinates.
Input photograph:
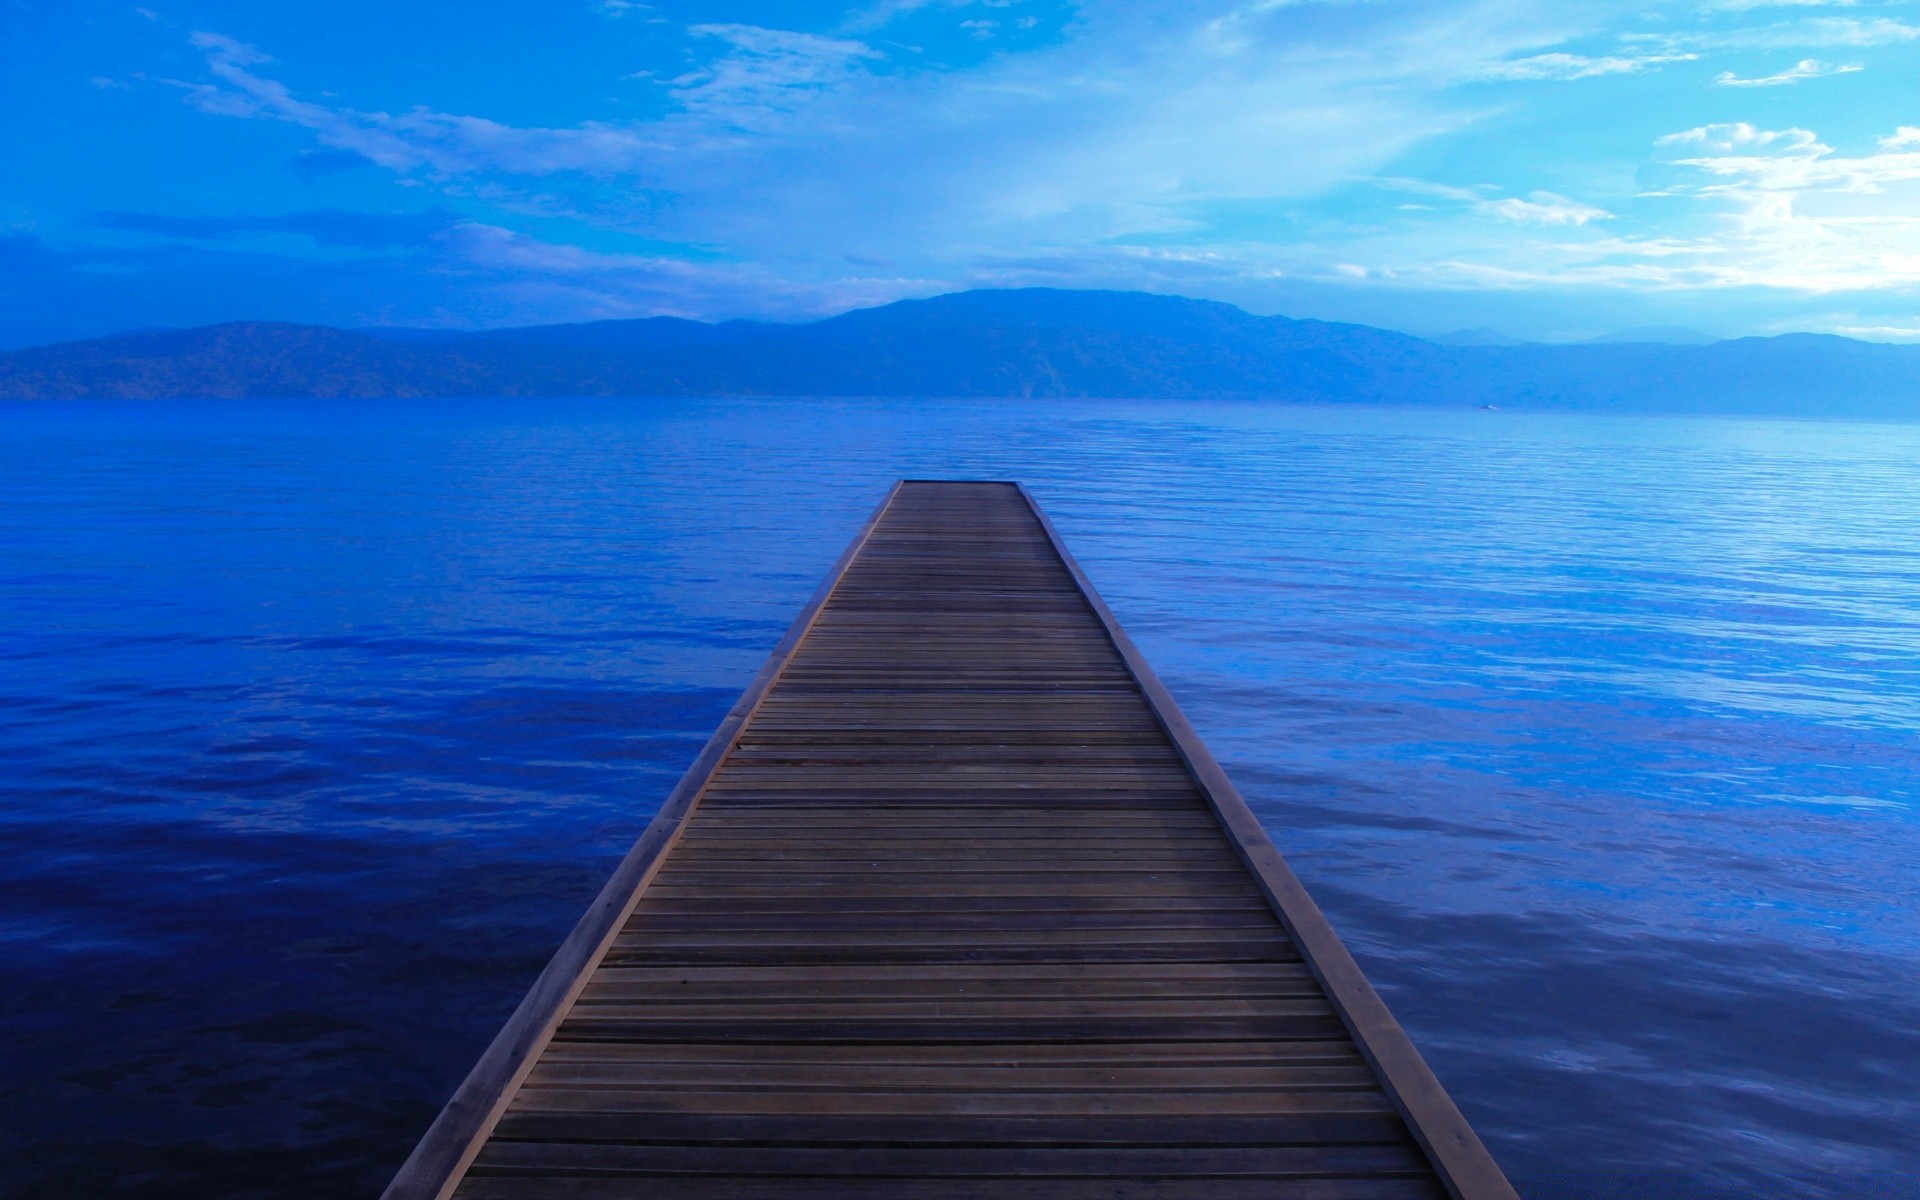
{"type": "Point", "coordinates": [957, 906]}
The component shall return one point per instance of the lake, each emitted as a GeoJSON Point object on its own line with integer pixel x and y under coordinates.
{"type": "Point", "coordinates": [321, 722]}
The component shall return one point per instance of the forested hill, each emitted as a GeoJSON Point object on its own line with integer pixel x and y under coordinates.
{"type": "Point", "coordinates": [1029, 342]}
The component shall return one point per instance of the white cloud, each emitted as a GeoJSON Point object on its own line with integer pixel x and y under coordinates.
{"type": "Point", "coordinates": [226, 51]}
{"type": "Point", "coordinates": [1576, 66]}
{"type": "Point", "coordinates": [540, 280]}
{"type": "Point", "coordinates": [1879, 333]}
{"type": "Point", "coordinates": [1745, 159]}
{"type": "Point", "coordinates": [882, 13]}
{"type": "Point", "coordinates": [1749, 5]}
{"type": "Point", "coordinates": [767, 73]}
{"type": "Point", "coordinates": [1806, 68]}
{"type": "Point", "coordinates": [1842, 31]}
{"type": "Point", "coordinates": [1439, 191]}
{"type": "Point", "coordinates": [1795, 214]}
{"type": "Point", "coordinates": [1539, 208]}
{"type": "Point", "coordinates": [1808, 32]}
{"type": "Point", "coordinates": [1545, 208]}
{"type": "Point", "coordinates": [436, 143]}
{"type": "Point", "coordinates": [1740, 137]}
{"type": "Point", "coordinates": [765, 77]}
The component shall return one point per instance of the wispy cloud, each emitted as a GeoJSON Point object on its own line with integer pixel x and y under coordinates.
{"type": "Point", "coordinates": [1545, 208]}
{"type": "Point", "coordinates": [763, 77]}
{"type": "Point", "coordinates": [326, 227]}
{"type": "Point", "coordinates": [1559, 65]}
{"type": "Point", "coordinates": [1879, 333]}
{"type": "Point", "coordinates": [1750, 5]}
{"type": "Point", "coordinates": [1806, 68]}
{"type": "Point", "coordinates": [1538, 208]}
{"type": "Point", "coordinates": [1741, 138]}
{"type": "Point", "coordinates": [1117, 129]}
{"type": "Point", "coordinates": [882, 13]}
{"type": "Point", "coordinates": [533, 277]}
{"type": "Point", "coordinates": [767, 74]}
{"type": "Point", "coordinates": [1807, 33]}
{"type": "Point", "coordinates": [420, 140]}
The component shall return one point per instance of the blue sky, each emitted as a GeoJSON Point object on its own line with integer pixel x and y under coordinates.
{"type": "Point", "coordinates": [1552, 170]}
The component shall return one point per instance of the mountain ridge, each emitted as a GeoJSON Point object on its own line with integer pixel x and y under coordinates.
{"type": "Point", "coordinates": [1034, 342]}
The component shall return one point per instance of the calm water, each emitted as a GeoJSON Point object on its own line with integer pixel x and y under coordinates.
{"type": "Point", "coordinates": [319, 724]}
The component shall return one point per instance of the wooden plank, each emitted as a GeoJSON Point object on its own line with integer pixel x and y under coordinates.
{"type": "Point", "coordinates": [1152, 1051]}
{"type": "Point", "coordinates": [966, 1162]}
{"type": "Point", "coordinates": [1044, 974]}
{"type": "Point", "coordinates": [580, 1104]}
{"type": "Point", "coordinates": [1316, 1128]}
{"type": "Point", "coordinates": [717, 1187]}
{"type": "Point", "coordinates": [722, 985]}
{"type": "Point", "coordinates": [1347, 1074]}
{"type": "Point", "coordinates": [892, 915]}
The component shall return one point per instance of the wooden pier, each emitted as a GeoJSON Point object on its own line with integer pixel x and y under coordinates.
{"type": "Point", "coordinates": [955, 904]}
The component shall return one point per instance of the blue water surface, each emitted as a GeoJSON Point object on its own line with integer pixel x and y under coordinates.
{"type": "Point", "coordinates": [321, 722]}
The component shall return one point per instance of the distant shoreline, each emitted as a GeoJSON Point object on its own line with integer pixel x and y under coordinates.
{"type": "Point", "coordinates": [1027, 343]}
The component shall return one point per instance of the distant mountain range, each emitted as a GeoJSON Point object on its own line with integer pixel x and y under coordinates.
{"type": "Point", "coordinates": [1033, 342]}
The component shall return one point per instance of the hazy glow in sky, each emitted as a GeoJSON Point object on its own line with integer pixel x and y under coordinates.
{"type": "Point", "coordinates": [1551, 169]}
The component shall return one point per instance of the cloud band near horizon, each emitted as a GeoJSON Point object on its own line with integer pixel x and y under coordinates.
{"type": "Point", "coordinates": [1551, 170]}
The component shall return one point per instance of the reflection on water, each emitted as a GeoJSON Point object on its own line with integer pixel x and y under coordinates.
{"type": "Point", "coordinates": [320, 723]}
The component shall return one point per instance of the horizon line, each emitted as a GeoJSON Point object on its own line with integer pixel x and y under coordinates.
{"type": "Point", "coordinates": [1492, 339]}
